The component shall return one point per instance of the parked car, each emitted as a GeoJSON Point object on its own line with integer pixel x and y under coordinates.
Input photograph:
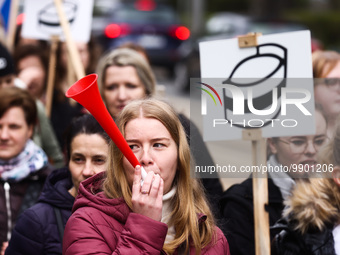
{"type": "Point", "coordinates": [102, 10]}
{"type": "Point", "coordinates": [228, 24]}
{"type": "Point", "coordinates": [152, 25]}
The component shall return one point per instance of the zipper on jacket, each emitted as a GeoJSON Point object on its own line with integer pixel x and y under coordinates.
{"type": "Point", "coordinates": [7, 188]}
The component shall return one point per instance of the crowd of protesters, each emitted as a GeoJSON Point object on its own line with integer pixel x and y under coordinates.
{"type": "Point", "coordinates": [37, 224]}
{"type": "Point", "coordinates": [65, 188]}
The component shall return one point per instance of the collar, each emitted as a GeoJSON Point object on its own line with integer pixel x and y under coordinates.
{"type": "Point", "coordinates": [281, 179]}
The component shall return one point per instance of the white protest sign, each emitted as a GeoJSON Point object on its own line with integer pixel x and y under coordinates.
{"type": "Point", "coordinates": [268, 86]}
{"type": "Point", "coordinates": [42, 20]}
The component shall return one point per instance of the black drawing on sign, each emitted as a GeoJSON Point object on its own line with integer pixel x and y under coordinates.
{"type": "Point", "coordinates": [265, 99]}
{"type": "Point", "coordinates": [48, 18]}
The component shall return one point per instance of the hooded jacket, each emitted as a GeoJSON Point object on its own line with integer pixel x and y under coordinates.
{"type": "Point", "coordinates": [309, 212]}
{"type": "Point", "coordinates": [36, 231]}
{"type": "Point", "coordinates": [100, 225]}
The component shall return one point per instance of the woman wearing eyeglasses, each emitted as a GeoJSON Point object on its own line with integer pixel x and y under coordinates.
{"type": "Point", "coordinates": [299, 152]}
{"type": "Point", "coordinates": [326, 71]}
{"type": "Point", "coordinates": [311, 223]}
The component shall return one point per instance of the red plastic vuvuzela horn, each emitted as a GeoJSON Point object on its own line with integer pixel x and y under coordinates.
{"type": "Point", "coordinates": [85, 91]}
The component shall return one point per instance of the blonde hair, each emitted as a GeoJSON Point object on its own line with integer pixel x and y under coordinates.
{"type": "Point", "coordinates": [127, 57]}
{"type": "Point", "coordinates": [324, 62]}
{"type": "Point", "coordinates": [316, 202]}
{"type": "Point", "coordinates": [189, 200]}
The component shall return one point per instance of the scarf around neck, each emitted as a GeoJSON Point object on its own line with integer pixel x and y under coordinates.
{"type": "Point", "coordinates": [30, 160]}
{"type": "Point", "coordinates": [166, 211]}
{"type": "Point", "coordinates": [281, 179]}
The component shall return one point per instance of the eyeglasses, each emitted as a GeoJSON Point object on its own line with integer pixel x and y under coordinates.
{"type": "Point", "coordinates": [299, 145]}
{"type": "Point", "coordinates": [331, 83]}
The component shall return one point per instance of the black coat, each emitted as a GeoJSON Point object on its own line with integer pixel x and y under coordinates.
{"type": "Point", "coordinates": [36, 231]}
{"type": "Point", "coordinates": [237, 214]}
{"type": "Point", "coordinates": [62, 114]}
{"type": "Point", "coordinates": [289, 241]}
{"type": "Point", "coordinates": [202, 157]}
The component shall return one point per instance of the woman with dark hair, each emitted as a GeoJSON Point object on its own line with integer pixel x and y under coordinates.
{"type": "Point", "coordinates": [40, 228]}
{"type": "Point", "coordinates": [89, 54]}
{"type": "Point", "coordinates": [31, 63]}
{"type": "Point", "coordinates": [168, 214]}
{"type": "Point", "coordinates": [23, 165]}
{"type": "Point", "coordinates": [65, 109]}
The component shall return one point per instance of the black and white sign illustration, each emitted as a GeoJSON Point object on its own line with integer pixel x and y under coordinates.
{"type": "Point", "coordinates": [49, 20]}
{"type": "Point", "coordinates": [42, 20]}
{"type": "Point", "coordinates": [268, 86]}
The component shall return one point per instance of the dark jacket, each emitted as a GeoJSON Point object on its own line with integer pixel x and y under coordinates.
{"type": "Point", "coordinates": [289, 241]}
{"type": "Point", "coordinates": [62, 114]}
{"type": "Point", "coordinates": [311, 213]}
{"type": "Point", "coordinates": [22, 195]}
{"type": "Point", "coordinates": [100, 225]}
{"type": "Point", "coordinates": [202, 157]}
{"type": "Point", "coordinates": [36, 231]}
{"type": "Point", "coordinates": [237, 214]}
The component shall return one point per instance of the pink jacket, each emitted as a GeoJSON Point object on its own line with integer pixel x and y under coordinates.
{"type": "Point", "coordinates": [100, 225]}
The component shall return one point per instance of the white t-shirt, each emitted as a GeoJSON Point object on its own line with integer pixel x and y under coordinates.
{"type": "Point", "coordinates": [166, 210]}
{"type": "Point", "coordinates": [336, 237]}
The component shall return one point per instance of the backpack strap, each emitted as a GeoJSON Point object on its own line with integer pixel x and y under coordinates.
{"type": "Point", "coordinates": [60, 223]}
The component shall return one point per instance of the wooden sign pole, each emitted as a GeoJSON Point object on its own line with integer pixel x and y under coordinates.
{"type": "Point", "coordinates": [12, 24]}
{"type": "Point", "coordinates": [51, 74]}
{"type": "Point", "coordinates": [71, 47]}
{"type": "Point", "coordinates": [260, 179]}
{"type": "Point", "coordinates": [260, 192]}
{"type": "Point", "coordinates": [71, 75]}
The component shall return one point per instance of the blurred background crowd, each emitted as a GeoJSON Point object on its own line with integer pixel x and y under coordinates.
{"type": "Point", "coordinates": [171, 30]}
